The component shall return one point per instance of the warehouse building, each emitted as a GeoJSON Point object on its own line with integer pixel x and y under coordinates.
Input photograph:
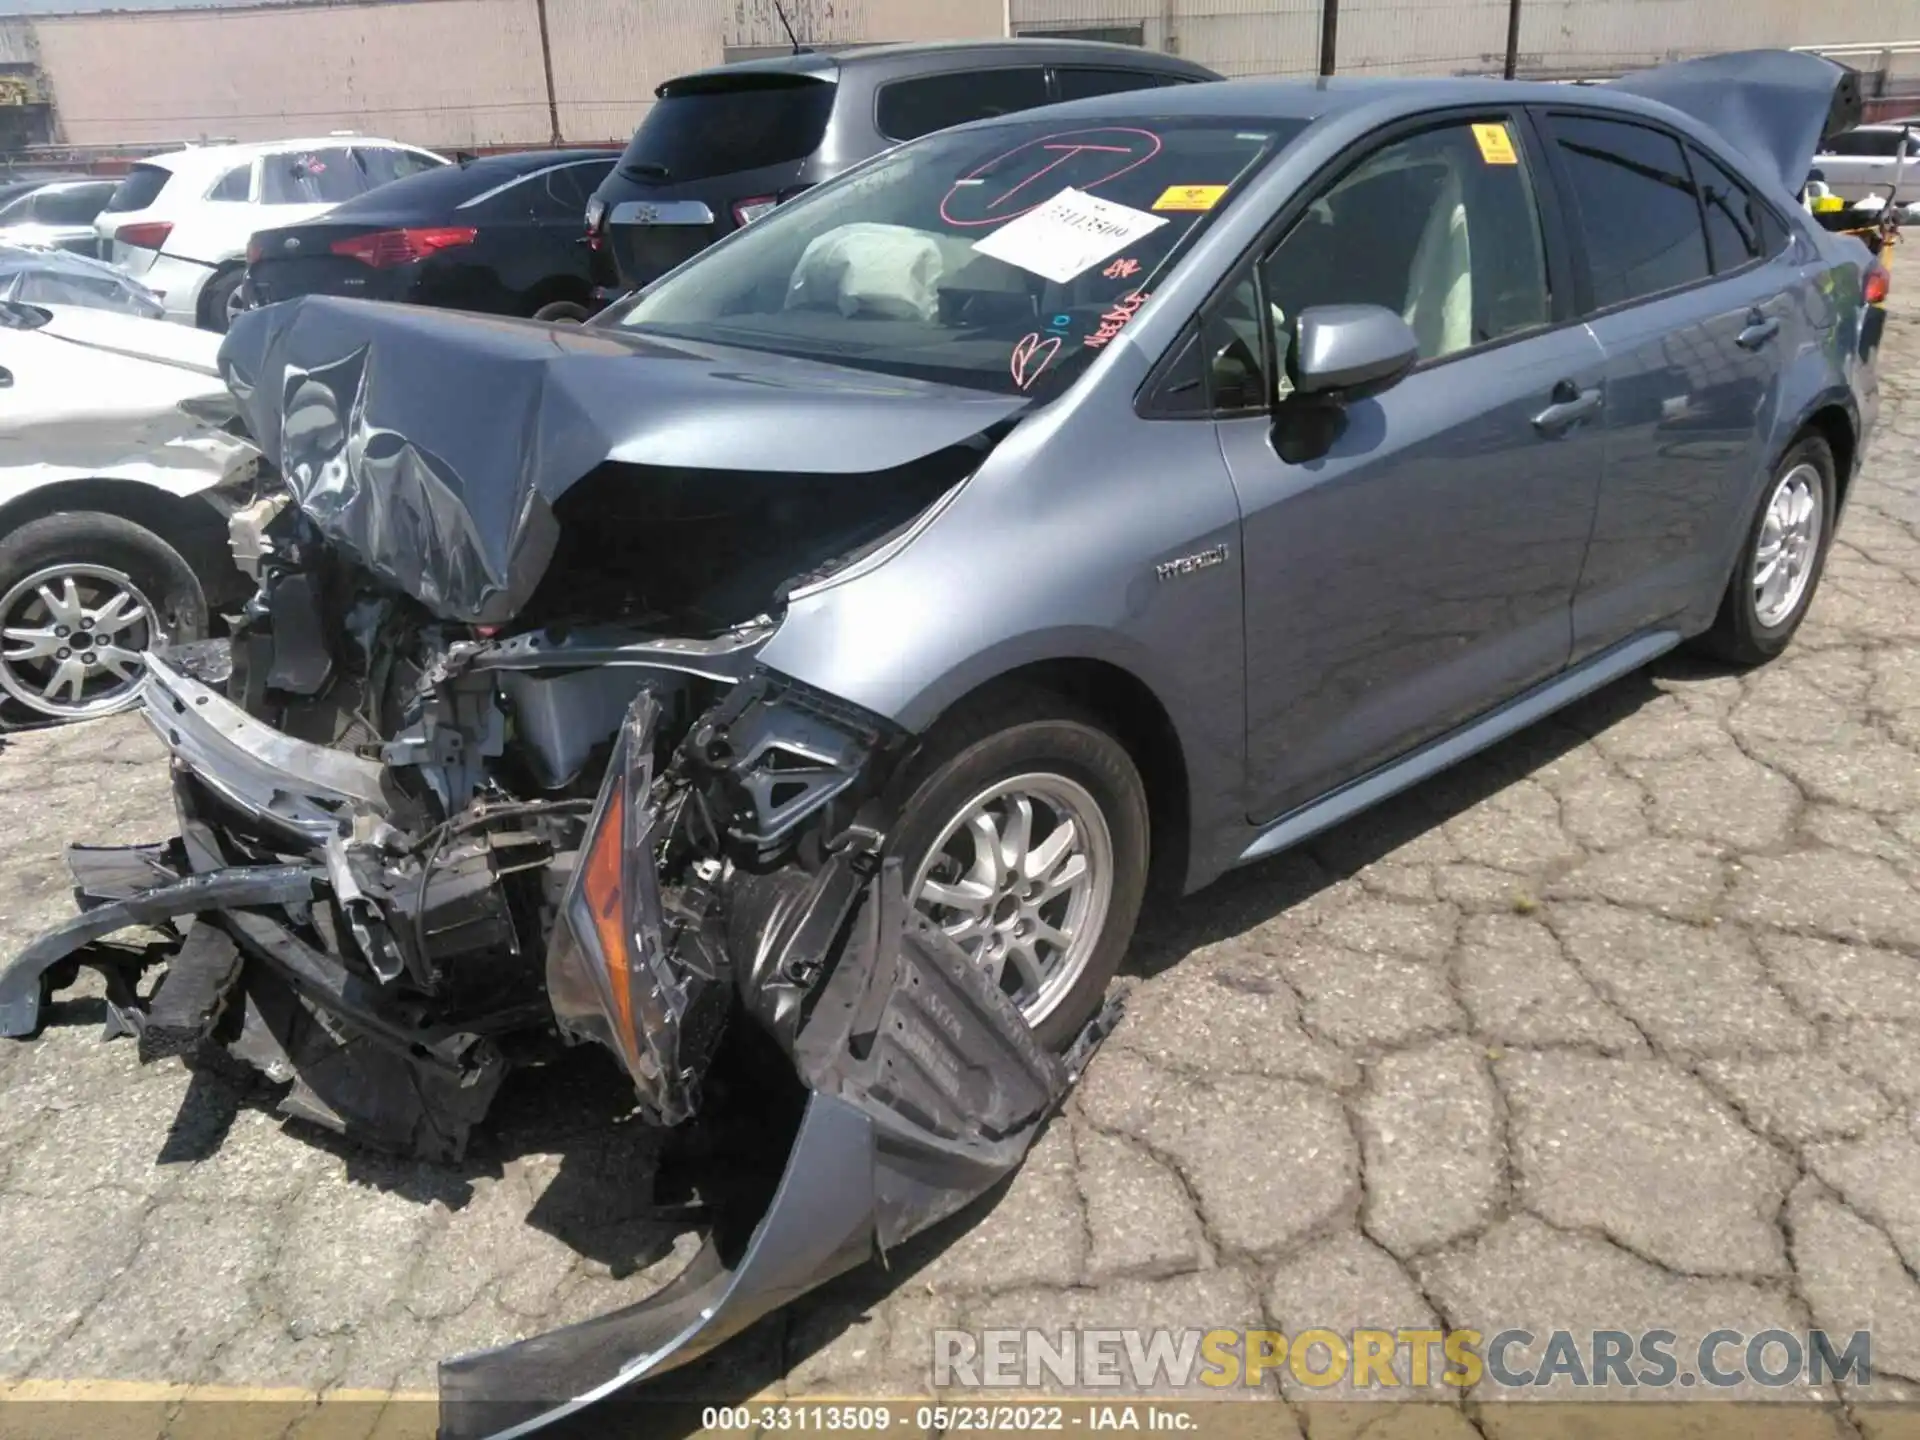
{"type": "Point", "coordinates": [145, 74]}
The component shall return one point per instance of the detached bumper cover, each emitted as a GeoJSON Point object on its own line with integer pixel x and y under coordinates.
{"type": "Point", "coordinates": [927, 1090]}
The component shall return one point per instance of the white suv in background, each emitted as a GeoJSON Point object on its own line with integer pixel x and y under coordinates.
{"type": "Point", "coordinates": [180, 222]}
{"type": "Point", "coordinates": [1868, 159]}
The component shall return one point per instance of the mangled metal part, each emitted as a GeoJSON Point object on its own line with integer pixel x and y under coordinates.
{"type": "Point", "coordinates": [20, 982]}
{"type": "Point", "coordinates": [927, 1089]}
{"type": "Point", "coordinates": [306, 790]}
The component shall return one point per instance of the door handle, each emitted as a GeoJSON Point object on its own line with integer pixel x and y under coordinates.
{"type": "Point", "coordinates": [1759, 331]}
{"type": "Point", "coordinates": [1570, 406]}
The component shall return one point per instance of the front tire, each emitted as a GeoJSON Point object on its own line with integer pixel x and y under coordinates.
{"type": "Point", "coordinates": [1025, 837]}
{"type": "Point", "coordinates": [82, 594]}
{"type": "Point", "coordinates": [1781, 559]}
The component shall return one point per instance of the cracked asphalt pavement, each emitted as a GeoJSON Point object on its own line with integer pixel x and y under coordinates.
{"type": "Point", "coordinates": [1616, 1026]}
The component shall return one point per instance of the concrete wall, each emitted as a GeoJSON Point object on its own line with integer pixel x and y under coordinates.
{"type": "Point", "coordinates": [438, 72]}
{"type": "Point", "coordinates": [1281, 37]}
{"type": "Point", "coordinates": [469, 72]}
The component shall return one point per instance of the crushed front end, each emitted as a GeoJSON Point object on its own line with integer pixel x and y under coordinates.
{"type": "Point", "coordinates": [418, 846]}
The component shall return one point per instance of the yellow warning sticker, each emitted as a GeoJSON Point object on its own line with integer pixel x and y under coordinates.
{"type": "Point", "coordinates": [1190, 197]}
{"type": "Point", "coordinates": [1496, 146]}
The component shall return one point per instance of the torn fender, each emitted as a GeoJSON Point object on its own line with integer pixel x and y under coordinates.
{"type": "Point", "coordinates": [1773, 106]}
{"type": "Point", "coordinates": [432, 445]}
{"type": "Point", "coordinates": [927, 1089]}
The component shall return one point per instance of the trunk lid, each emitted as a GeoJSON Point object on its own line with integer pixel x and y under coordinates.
{"type": "Point", "coordinates": [1773, 106]}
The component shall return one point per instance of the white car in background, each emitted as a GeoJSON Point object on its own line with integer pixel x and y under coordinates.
{"type": "Point", "coordinates": [1868, 160]}
{"type": "Point", "coordinates": [120, 462]}
{"type": "Point", "coordinates": [180, 222]}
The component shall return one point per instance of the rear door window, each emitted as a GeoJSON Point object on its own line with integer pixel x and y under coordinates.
{"type": "Point", "coordinates": [312, 177]}
{"type": "Point", "coordinates": [908, 109]}
{"type": "Point", "coordinates": [1635, 207]}
{"type": "Point", "coordinates": [140, 188]}
{"type": "Point", "coordinates": [718, 125]}
{"type": "Point", "coordinates": [1081, 82]}
{"type": "Point", "coordinates": [1738, 231]}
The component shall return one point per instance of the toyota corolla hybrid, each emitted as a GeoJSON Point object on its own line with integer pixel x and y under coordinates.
{"type": "Point", "coordinates": [822, 649]}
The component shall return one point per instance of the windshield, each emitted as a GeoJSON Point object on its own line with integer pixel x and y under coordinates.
{"type": "Point", "coordinates": [1001, 259]}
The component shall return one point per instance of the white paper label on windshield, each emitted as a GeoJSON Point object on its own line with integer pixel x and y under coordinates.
{"type": "Point", "coordinates": [1070, 233]}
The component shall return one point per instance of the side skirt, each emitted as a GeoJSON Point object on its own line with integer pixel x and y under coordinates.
{"type": "Point", "coordinates": [1437, 755]}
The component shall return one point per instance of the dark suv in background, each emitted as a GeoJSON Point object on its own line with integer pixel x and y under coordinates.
{"type": "Point", "coordinates": [722, 147]}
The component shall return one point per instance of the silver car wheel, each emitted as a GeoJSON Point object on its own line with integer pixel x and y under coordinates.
{"type": "Point", "coordinates": [1789, 544]}
{"type": "Point", "coordinates": [1021, 879]}
{"type": "Point", "coordinates": [236, 303]}
{"type": "Point", "coordinates": [71, 637]}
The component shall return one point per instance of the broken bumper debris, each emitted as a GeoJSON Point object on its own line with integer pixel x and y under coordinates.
{"type": "Point", "coordinates": [319, 909]}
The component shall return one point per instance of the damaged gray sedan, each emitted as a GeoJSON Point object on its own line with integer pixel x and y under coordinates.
{"type": "Point", "coordinates": [826, 645]}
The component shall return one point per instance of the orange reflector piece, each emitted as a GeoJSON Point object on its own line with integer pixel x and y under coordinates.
{"type": "Point", "coordinates": [1879, 281]}
{"type": "Point", "coordinates": [602, 890]}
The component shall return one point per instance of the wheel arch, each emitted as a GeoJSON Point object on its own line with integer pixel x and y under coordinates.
{"type": "Point", "coordinates": [1833, 421]}
{"type": "Point", "coordinates": [186, 522]}
{"type": "Point", "coordinates": [1133, 713]}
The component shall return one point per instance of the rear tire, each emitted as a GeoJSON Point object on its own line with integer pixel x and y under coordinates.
{"type": "Point", "coordinates": [973, 773]}
{"type": "Point", "coordinates": [101, 556]}
{"type": "Point", "coordinates": [1781, 559]}
{"type": "Point", "coordinates": [561, 312]}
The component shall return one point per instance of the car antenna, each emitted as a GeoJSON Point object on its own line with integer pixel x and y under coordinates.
{"type": "Point", "coordinates": [787, 26]}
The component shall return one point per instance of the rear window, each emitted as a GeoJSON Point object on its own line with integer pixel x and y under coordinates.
{"type": "Point", "coordinates": [1082, 82]}
{"type": "Point", "coordinates": [718, 125]}
{"type": "Point", "coordinates": [70, 204]}
{"type": "Point", "coordinates": [908, 109]}
{"type": "Point", "coordinates": [140, 189]}
{"type": "Point", "coordinates": [1866, 142]}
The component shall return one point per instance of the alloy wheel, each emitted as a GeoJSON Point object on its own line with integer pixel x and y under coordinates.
{"type": "Point", "coordinates": [1789, 543]}
{"type": "Point", "coordinates": [1021, 879]}
{"type": "Point", "coordinates": [71, 638]}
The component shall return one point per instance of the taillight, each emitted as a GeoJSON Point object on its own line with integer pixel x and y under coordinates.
{"type": "Point", "coordinates": [1879, 280]}
{"type": "Point", "coordinates": [745, 212]}
{"type": "Point", "coordinates": [254, 250]}
{"type": "Point", "coordinates": [384, 249]}
{"type": "Point", "coordinates": [148, 234]}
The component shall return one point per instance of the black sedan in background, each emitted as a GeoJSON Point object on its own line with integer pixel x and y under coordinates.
{"type": "Point", "coordinates": [500, 235]}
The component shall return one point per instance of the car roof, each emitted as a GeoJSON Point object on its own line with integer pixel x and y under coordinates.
{"type": "Point", "coordinates": [1321, 98]}
{"type": "Point", "coordinates": [908, 56]}
{"type": "Point", "coordinates": [209, 157]}
{"type": "Point", "coordinates": [525, 162]}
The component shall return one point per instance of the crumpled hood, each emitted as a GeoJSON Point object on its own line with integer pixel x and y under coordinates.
{"type": "Point", "coordinates": [1773, 106]}
{"type": "Point", "coordinates": [433, 444]}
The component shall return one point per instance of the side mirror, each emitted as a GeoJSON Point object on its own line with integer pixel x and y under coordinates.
{"type": "Point", "coordinates": [1343, 353]}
